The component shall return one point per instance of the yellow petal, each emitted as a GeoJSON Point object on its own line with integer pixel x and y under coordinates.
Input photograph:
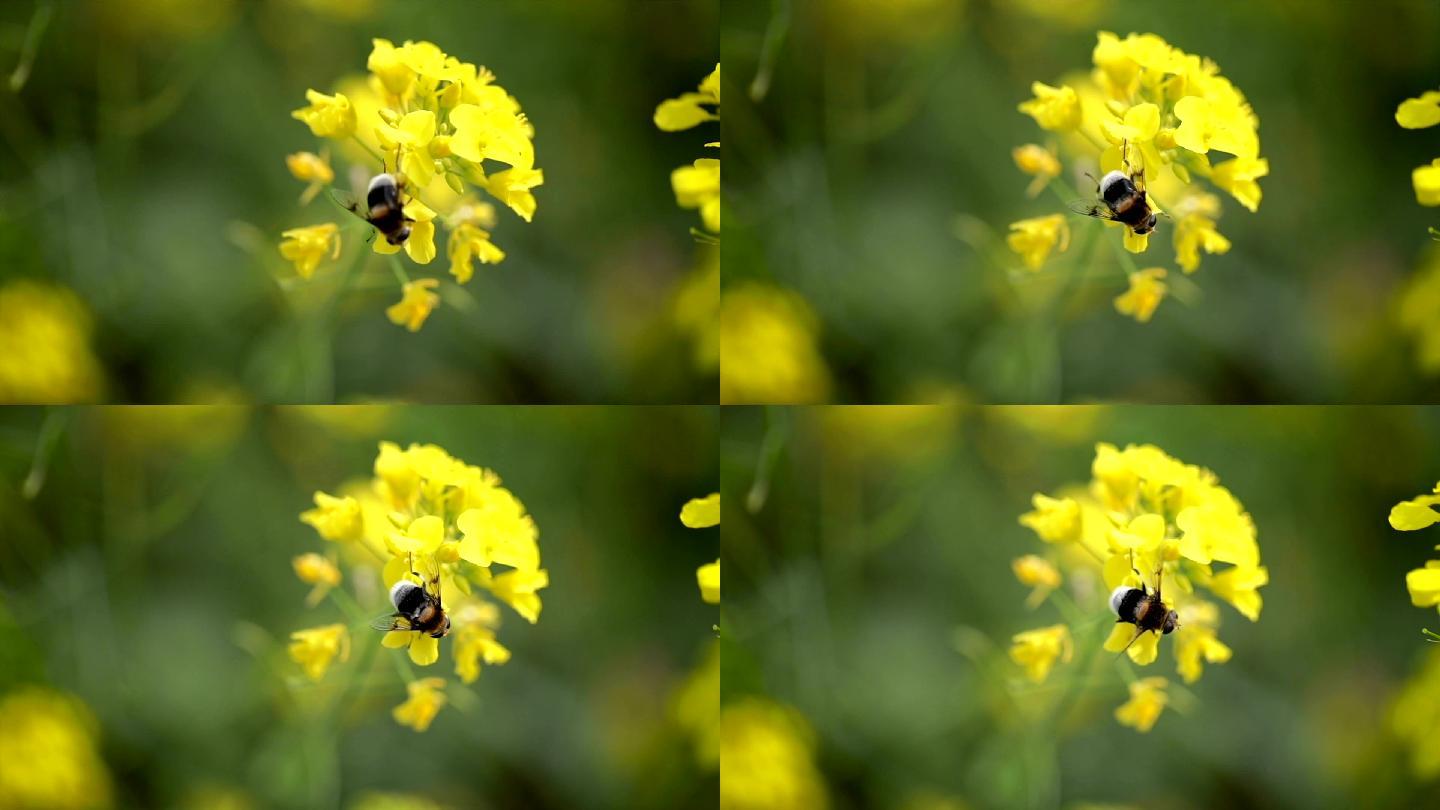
{"type": "Point", "coordinates": [425, 650]}
{"type": "Point", "coordinates": [700, 513]}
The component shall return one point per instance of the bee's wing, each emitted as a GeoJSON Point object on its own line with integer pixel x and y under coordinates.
{"type": "Point", "coordinates": [1091, 208]}
{"type": "Point", "coordinates": [346, 200]}
{"type": "Point", "coordinates": [391, 621]}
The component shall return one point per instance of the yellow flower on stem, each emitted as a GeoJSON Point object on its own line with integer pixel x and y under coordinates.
{"type": "Point", "coordinates": [468, 243]}
{"type": "Point", "coordinates": [1147, 701]}
{"type": "Point", "coordinates": [327, 116]}
{"type": "Point", "coordinates": [420, 246]}
{"type": "Point", "coordinates": [1417, 513]}
{"type": "Point", "coordinates": [416, 303]}
{"type": "Point", "coordinates": [1193, 233]}
{"type": "Point", "coordinates": [307, 246]}
{"type": "Point", "coordinates": [1034, 239]}
{"type": "Point", "coordinates": [339, 519]}
{"type": "Point", "coordinates": [475, 641]}
{"type": "Point", "coordinates": [497, 530]}
{"type": "Point", "coordinates": [1054, 108]}
{"type": "Point", "coordinates": [308, 167]}
{"type": "Point", "coordinates": [424, 701]}
{"type": "Point", "coordinates": [411, 136]}
{"type": "Point", "coordinates": [512, 187]}
{"type": "Point", "coordinates": [1055, 520]}
{"type": "Point", "coordinates": [1038, 573]}
{"type": "Point", "coordinates": [689, 109]}
{"type": "Point", "coordinates": [698, 186]}
{"type": "Point", "coordinates": [313, 569]}
{"type": "Point", "coordinates": [1138, 125]}
{"type": "Point", "coordinates": [1198, 643]}
{"type": "Point", "coordinates": [314, 649]}
{"type": "Point", "coordinates": [1038, 162]}
{"type": "Point", "coordinates": [1038, 650]}
{"type": "Point", "coordinates": [422, 536]}
{"type": "Point", "coordinates": [519, 589]}
{"type": "Point", "coordinates": [1239, 177]}
{"type": "Point", "coordinates": [1146, 292]}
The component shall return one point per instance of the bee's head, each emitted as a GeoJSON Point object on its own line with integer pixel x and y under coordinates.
{"type": "Point", "coordinates": [399, 237]}
{"type": "Point", "coordinates": [1147, 226]}
{"type": "Point", "coordinates": [1172, 621]}
{"type": "Point", "coordinates": [444, 629]}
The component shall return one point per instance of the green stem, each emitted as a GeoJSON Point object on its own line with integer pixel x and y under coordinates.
{"type": "Point", "coordinates": [50, 432]}
{"type": "Point", "coordinates": [39, 21]}
{"type": "Point", "coordinates": [400, 274]}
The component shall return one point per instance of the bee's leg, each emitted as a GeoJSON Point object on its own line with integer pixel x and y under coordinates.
{"type": "Point", "coordinates": [1125, 155]}
{"type": "Point", "coordinates": [1159, 573]}
{"type": "Point", "coordinates": [413, 572]}
{"type": "Point", "coordinates": [1132, 640]}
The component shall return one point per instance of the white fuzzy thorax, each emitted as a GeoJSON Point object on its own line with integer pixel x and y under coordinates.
{"type": "Point", "coordinates": [1110, 179]}
{"type": "Point", "coordinates": [386, 180]}
{"type": "Point", "coordinates": [1116, 597]}
{"type": "Point", "coordinates": [398, 590]}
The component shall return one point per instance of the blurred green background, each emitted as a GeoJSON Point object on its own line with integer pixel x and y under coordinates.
{"type": "Point", "coordinates": [858, 134]}
{"type": "Point", "coordinates": [142, 165]}
{"type": "Point", "coordinates": [868, 557]}
{"type": "Point", "coordinates": [146, 569]}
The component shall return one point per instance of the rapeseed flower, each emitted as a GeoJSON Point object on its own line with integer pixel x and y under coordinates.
{"type": "Point", "coordinates": [1144, 512]}
{"type": "Point", "coordinates": [45, 355]}
{"type": "Point", "coordinates": [1419, 113]}
{"type": "Point", "coordinates": [307, 247]}
{"type": "Point", "coordinates": [450, 527]}
{"type": "Point", "coordinates": [443, 127]}
{"type": "Point", "coordinates": [1412, 515]}
{"type": "Point", "coordinates": [1166, 118]}
{"type": "Point", "coordinates": [769, 350]}
{"type": "Point", "coordinates": [767, 758]}
{"type": "Point", "coordinates": [698, 185]}
{"type": "Point", "coordinates": [49, 753]}
{"type": "Point", "coordinates": [1035, 239]}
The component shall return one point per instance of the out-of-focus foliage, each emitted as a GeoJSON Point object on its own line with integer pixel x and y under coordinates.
{"type": "Point", "coordinates": [877, 575]}
{"type": "Point", "coordinates": [869, 149]}
{"type": "Point", "coordinates": [144, 146]}
{"type": "Point", "coordinates": [147, 601]}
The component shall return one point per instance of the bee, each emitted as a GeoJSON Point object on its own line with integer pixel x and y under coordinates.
{"type": "Point", "coordinates": [384, 206]}
{"type": "Point", "coordinates": [1143, 608]}
{"type": "Point", "coordinates": [1122, 198]}
{"type": "Point", "coordinates": [417, 607]}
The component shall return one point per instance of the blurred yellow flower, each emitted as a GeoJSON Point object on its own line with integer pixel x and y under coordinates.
{"type": "Point", "coordinates": [45, 355]}
{"type": "Point", "coordinates": [316, 648]}
{"type": "Point", "coordinates": [1055, 520]}
{"type": "Point", "coordinates": [1417, 312]}
{"type": "Point", "coordinates": [1053, 108]}
{"type": "Point", "coordinates": [475, 640]}
{"type": "Point", "coordinates": [767, 759]}
{"type": "Point", "coordinates": [49, 757]}
{"type": "Point", "coordinates": [1198, 645]}
{"type": "Point", "coordinates": [696, 706]}
{"type": "Point", "coordinates": [327, 116]}
{"type": "Point", "coordinates": [1147, 701]}
{"type": "Point", "coordinates": [1038, 573]}
{"type": "Point", "coordinates": [469, 242]}
{"type": "Point", "coordinates": [307, 246]}
{"type": "Point", "coordinates": [1038, 162]}
{"type": "Point", "coordinates": [697, 309]}
{"type": "Point", "coordinates": [768, 348]}
{"type": "Point", "coordinates": [1034, 239]}
{"type": "Point", "coordinates": [426, 697]}
{"type": "Point", "coordinates": [1144, 296]}
{"type": "Point", "coordinates": [1193, 233]}
{"type": "Point", "coordinates": [308, 167]}
{"type": "Point", "coordinates": [335, 518]}
{"type": "Point", "coordinates": [416, 303]}
{"type": "Point", "coordinates": [1421, 112]}
{"type": "Point", "coordinates": [1414, 714]}
{"type": "Point", "coordinates": [1038, 650]}
{"type": "Point", "coordinates": [313, 569]}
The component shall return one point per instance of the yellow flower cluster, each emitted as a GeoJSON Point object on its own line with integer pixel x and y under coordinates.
{"type": "Point", "coordinates": [447, 131]}
{"type": "Point", "coordinates": [1149, 106]}
{"type": "Point", "coordinates": [767, 758]}
{"type": "Point", "coordinates": [697, 185]}
{"type": "Point", "coordinates": [1142, 512]}
{"type": "Point", "coordinates": [702, 513]}
{"type": "Point", "coordinates": [48, 753]}
{"type": "Point", "coordinates": [1413, 515]}
{"type": "Point", "coordinates": [768, 348]}
{"type": "Point", "coordinates": [45, 352]}
{"type": "Point", "coordinates": [425, 516]}
{"type": "Point", "coordinates": [1419, 113]}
